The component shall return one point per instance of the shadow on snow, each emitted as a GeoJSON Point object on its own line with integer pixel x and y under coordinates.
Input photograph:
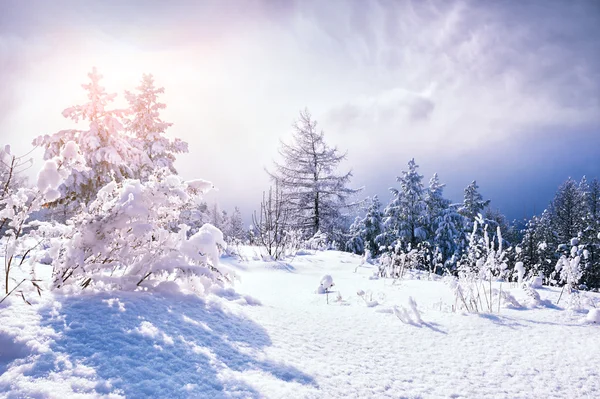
{"type": "Point", "coordinates": [189, 343]}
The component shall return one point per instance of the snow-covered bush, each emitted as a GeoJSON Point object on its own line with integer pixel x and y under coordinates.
{"type": "Point", "coordinates": [126, 239]}
{"type": "Point", "coordinates": [393, 264]}
{"type": "Point", "coordinates": [318, 242]}
{"type": "Point", "coordinates": [409, 314]}
{"type": "Point", "coordinates": [270, 224]}
{"type": "Point", "coordinates": [17, 204]}
{"type": "Point", "coordinates": [484, 263]}
{"type": "Point", "coordinates": [570, 272]}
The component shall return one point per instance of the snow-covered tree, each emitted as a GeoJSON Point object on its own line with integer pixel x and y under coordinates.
{"type": "Point", "coordinates": [590, 235]}
{"type": "Point", "coordinates": [236, 232]}
{"type": "Point", "coordinates": [313, 192]}
{"type": "Point", "coordinates": [270, 225]}
{"type": "Point", "coordinates": [567, 211]}
{"type": "Point", "coordinates": [365, 230]}
{"type": "Point", "coordinates": [125, 239]}
{"type": "Point", "coordinates": [435, 205]}
{"type": "Point", "coordinates": [404, 217]}
{"type": "Point", "coordinates": [373, 225]}
{"type": "Point", "coordinates": [149, 131]}
{"type": "Point", "coordinates": [356, 243]}
{"type": "Point", "coordinates": [448, 236]}
{"type": "Point", "coordinates": [105, 147]}
{"type": "Point", "coordinates": [473, 204]}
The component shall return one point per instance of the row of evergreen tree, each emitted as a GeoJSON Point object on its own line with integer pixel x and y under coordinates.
{"type": "Point", "coordinates": [419, 220]}
{"type": "Point", "coordinates": [311, 199]}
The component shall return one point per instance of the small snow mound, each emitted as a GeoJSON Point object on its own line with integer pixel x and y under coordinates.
{"type": "Point", "coordinates": [593, 316]}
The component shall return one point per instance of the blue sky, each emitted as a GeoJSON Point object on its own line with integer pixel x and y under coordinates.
{"type": "Point", "coordinates": [505, 93]}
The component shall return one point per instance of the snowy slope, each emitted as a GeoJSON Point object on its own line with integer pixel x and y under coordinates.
{"type": "Point", "coordinates": [277, 338]}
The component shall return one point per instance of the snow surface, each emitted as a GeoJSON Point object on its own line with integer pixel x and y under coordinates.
{"type": "Point", "coordinates": [274, 337]}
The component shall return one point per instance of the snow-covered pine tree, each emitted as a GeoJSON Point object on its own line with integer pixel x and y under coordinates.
{"type": "Point", "coordinates": [412, 203]}
{"type": "Point", "coordinates": [313, 193]}
{"type": "Point", "coordinates": [448, 236]}
{"type": "Point", "coordinates": [473, 204]}
{"type": "Point", "coordinates": [387, 240]}
{"type": "Point", "coordinates": [546, 244]}
{"type": "Point", "coordinates": [568, 211]}
{"type": "Point", "coordinates": [591, 234]}
{"type": "Point", "coordinates": [106, 148]}
{"type": "Point", "coordinates": [528, 247]}
{"type": "Point", "coordinates": [356, 243]}
{"type": "Point", "coordinates": [148, 130]}
{"type": "Point", "coordinates": [236, 232]}
{"type": "Point", "coordinates": [435, 205]}
{"type": "Point", "coordinates": [373, 225]}
{"type": "Point", "coordinates": [405, 214]}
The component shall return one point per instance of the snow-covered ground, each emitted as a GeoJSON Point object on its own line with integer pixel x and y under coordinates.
{"type": "Point", "coordinates": [275, 337]}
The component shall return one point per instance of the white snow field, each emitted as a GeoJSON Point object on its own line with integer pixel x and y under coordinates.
{"type": "Point", "coordinates": [275, 337]}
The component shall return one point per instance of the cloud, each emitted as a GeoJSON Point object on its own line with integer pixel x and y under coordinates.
{"type": "Point", "coordinates": [387, 80]}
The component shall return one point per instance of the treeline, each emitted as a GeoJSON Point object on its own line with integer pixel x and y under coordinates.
{"type": "Point", "coordinates": [420, 223]}
{"type": "Point", "coordinates": [310, 204]}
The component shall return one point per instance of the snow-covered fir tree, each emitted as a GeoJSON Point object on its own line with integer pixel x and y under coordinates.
{"type": "Point", "coordinates": [373, 225]}
{"type": "Point", "coordinates": [567, 212]}
{"type": "Point", "coordinates": [404, 217]}
{"type": "Point", "coordinates": [106, 149]}
{"type": "Point", "coordinates": [591, 234]}
{"type": "Point", "coordinates": [356, 242]}
{"type": "Point", "coordinates": [435, 205]}
{"type": "Point", "coordinates": [448, 239]}
{"type": "Point", "coordinates": [473, 204]}
{"type": "Point", "coordinates": [236, 231]}
{"type": "Point", "coordinates": [148, 130]}
{"type": "Point", "coordinates": [314, 193]}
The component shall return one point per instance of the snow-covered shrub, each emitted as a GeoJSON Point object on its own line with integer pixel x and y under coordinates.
{"type": "Point", "coordinates": [270, 225]}
{"type": "Point", "coordinates": [484, 263]}
{"type": "Point", "coordinates": [126, 239]}
{"type": "Point", "coordinates": [409, 314]}
{"type": "Point", "coordinates": [570, 272]}
{"type": "Point", "coordinates": [394, 263]}
{"type": "Point", "coordinates": [533, 297]}
{"type": "Point", "coordinates": [19, 202]}
{"type": "Point", "coordinates": [537, 281]}
{"type": "Point", "coordinates": [318, 242]}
